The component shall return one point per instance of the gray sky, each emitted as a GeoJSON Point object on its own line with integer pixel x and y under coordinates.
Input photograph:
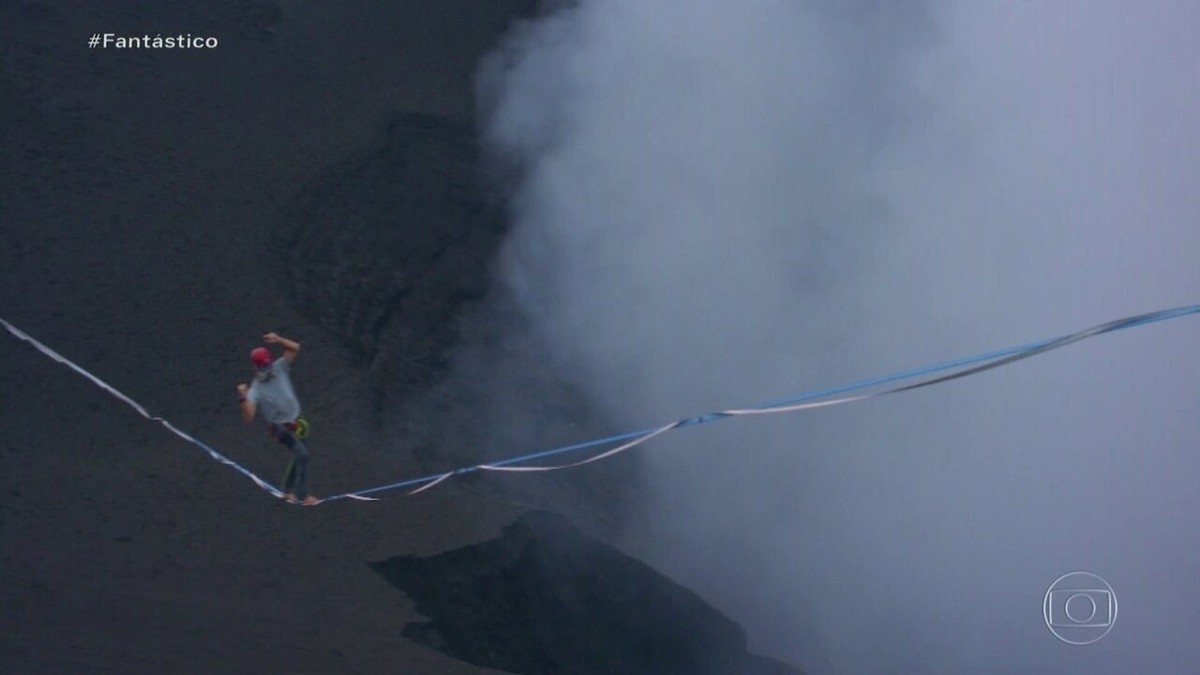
{"type": "Point", "coordinates": [726, 203]}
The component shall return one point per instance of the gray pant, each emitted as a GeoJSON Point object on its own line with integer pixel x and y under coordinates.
{"type": "Point", "coordinates": [295, 480]}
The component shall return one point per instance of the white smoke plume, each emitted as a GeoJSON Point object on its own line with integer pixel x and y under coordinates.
{"type": "Point", "coordinates": [723, 203]}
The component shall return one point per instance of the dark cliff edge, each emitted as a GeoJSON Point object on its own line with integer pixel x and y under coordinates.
{"type": "Point", "coordinates": [543, 598]}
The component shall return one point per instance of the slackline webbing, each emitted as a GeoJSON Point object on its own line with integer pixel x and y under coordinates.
{"type": "Point", "coordinates": [966, 366]}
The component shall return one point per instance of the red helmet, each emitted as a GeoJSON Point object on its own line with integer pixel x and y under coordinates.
{"type": "Point", "coordinates": [261, 357]}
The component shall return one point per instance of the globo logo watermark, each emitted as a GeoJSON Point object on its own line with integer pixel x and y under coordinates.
{"type": "Point", "coordinates": [1080, 608]}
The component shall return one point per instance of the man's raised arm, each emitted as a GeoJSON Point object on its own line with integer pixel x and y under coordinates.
{"type": "Point", "coordinates": [290, 347]}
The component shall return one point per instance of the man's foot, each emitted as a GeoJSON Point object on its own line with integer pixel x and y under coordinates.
{"type": "Point", "coordinates": [289, 497]}
{"type": "Point", "coordinates": [309, 501]}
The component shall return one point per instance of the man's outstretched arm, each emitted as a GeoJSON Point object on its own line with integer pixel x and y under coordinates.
{"type": "Point", "coordinates": [290, 347]}
{"type": "Point", "coordinates": [248, 406]}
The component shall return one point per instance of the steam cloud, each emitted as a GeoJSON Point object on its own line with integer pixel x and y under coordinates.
{"type": "Point", "coordinates": [721, 203]}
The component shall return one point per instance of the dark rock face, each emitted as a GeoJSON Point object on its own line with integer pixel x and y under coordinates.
{"type": "Point", "coordinates": [387, 247]}
{"type": "Point", "coordinates": [543, 598]}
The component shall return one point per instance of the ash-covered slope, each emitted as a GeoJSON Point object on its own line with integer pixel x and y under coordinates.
{"type": "Point", "coordinates": [543, 598]}
{"type": "Point", "coordinates": [139, 210]}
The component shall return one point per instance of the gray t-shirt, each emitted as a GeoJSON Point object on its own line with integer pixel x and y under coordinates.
{"type": "Point", "coordinates": [272, 392]}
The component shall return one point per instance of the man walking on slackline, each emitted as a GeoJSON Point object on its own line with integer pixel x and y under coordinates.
{"type": "Point", "coordinates": [271, 392]}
